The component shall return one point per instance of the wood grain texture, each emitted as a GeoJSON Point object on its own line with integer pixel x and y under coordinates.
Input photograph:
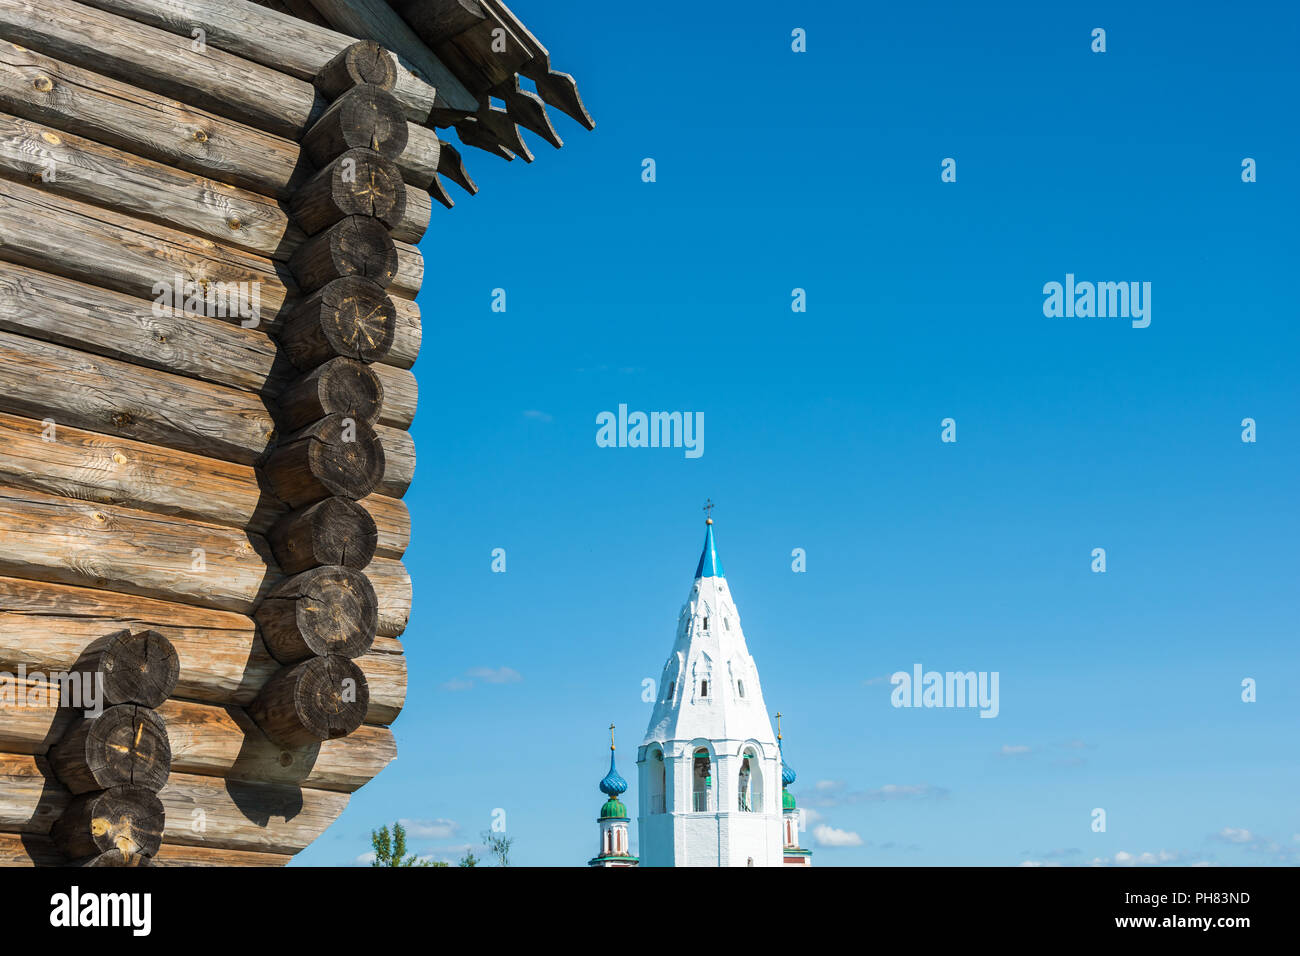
{"type": "Point", "coordinates": [359, 182]}
{"type": "Point", "coordinates": [320, 698]}
{"type": "Point", "coordinates": [125, 745]}
{"type": "Point", "coordinates": [319, 612]}
{"type": "Point", "coordinates": [334, 531]}
{"type": "Point", "coordinates": [224, 742]}
{"type": "Point", "coordinates": [47, 627]}
{"type": "Point", "coordinates": [98, 468]}
{"type": "Point", "coordinates": [333, 456]}
{"type": "Point", "coordinates": [128, 819]}
{"type": "Point", "coordinates": [172, 854]}
{"type": "Point", "coordinates": [365, 117]}
{"type": "Point", "coordinates": [31, 798]}
{"type": "Point", "coordinates": [82, 169]}
{"type": "Point", "coordinates": [376, 20]}
{"type": "Point", "coordinates": [235, 815]}
{"type": "Point", "coordinates": [341, 386]}
{"type": "Point", "coordinates": [278, 40]}
{"type": "Point", "coordinates": [206, 77]}
{"type": "Point", "coordinates": [43, 381]}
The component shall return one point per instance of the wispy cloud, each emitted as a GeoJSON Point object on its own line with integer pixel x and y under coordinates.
{"type": "Point", "coordinates": [1015, 750]}
{"type": "Point", "coordinates": [832, 793]}
{"type": "Point", "coordinates": [430, 829]}
{"type": "Point", "coordinates": [488, 675]}
{"type": "Point", "coordinates": [829, 836]}
{"type": "Point", "coordinates": [538, 416]}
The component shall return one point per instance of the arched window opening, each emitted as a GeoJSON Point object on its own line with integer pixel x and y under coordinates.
{"type": "Point", "coordinates": [706, 622]}
{"type": "Point", "coordinates": [704, 689]}
{"type": "Point", "coordinates": [740, 686]}
{"type": "Point", "coordinates": [657, 780]}
{"type": "Point", "coordinates": [701, 781]}
{"type": "Point", "coordinates": [750, 788]}
{"type": "Point", "coordinates": [672, 690]}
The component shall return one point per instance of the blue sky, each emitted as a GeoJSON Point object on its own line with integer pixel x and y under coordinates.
{"type": "Point", "coordinates": [821, 171]}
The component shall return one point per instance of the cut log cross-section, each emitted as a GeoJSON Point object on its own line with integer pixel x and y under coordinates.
{"type": "Point", "coordinates": [334, 531]}
{"type": "Point", "coordinates": [356, 246]}
{"type": "Point", "coordinates": [360, 182]}
{"type": "Point", "coordinates": [352, 317]}
{"type": "Point", "coordinates": [125, 745]}
{"type": "Point", "coordinates": [366, 117]}
{"type": "Point", "coordinates": [139, 667]}
{"type": "Point", "coordinates": [363, 62]}
{"type": "Point", "coordinates": [340, 386]}
{"type": "Point", "coordinates": [127, 819]}
{"type": "Point", "coordinates": [334, 456]}
{"type": "Point", "coordinates": [318, 699]}
{"type": "Point", "coordinates": [327, 610]}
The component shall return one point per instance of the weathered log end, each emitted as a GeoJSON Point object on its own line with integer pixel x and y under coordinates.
{"type": "Point", "coordinates": [127, 819]}
{"type": "Point", "coordinates": [340, 386]}
{"type": "Point", "coordinates": [362, 62]}
{"type": "Point", "coordinates": [356, 246]}
{"type": "Point", "coordinates": [112, 858]}
{"type": "Point", "coordinates": [334, 456]}
{"type": "Point", "coordinates": [365, 117]}
{"type": "Point", "coordinates": [334, 531]}
{"type": "Point", "coordinates": [125, 745]}
{"type": "Point", "coordinates": [358, 183]}
{"type": "Point", "coordinates": [351, 317]}
{"type": "Point", "coordinates": [329, 610]}
{"type": "Point", "coordinates": [318, 699]}
{"type": "Point", "coordinates": [137, 667]}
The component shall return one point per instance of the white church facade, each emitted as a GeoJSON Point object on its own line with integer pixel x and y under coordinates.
{"type": "Point", "coordinates": [712, 785]}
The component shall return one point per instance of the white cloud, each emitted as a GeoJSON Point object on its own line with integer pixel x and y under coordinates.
{"type": "Point", "coordinates": [828, 836]}
{"type": "Point", "coordinates": [1124, 858]}
{"type": "Point", "coordinates": [1015, 750]}
{"type": "Point", "coordinates": [501, 675]}
{"type": "Point", "coordinates": [430, 829]}
{"type": "Point", "coordinates": [1235, 835]}
{"type": "Point", "coordinates": [457, 683]}
{"type": "Point", "coordinates": [538, 416]}
{"type": "Point", "coordinates": [810, 816]}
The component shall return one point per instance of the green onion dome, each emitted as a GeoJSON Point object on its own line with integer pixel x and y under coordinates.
{"type": "Point", "coordinates": [613, 809]}
{"type": "Point", "coordinates": [787, 800]}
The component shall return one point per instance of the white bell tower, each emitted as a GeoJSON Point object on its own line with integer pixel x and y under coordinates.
{"type": "Point", "coordinates": [709, 770]}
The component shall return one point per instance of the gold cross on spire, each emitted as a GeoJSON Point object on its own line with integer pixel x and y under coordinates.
{"type": "Point", "coordinates": [611, 736]}
{"type": "Point", "coordinates": [778, 725]}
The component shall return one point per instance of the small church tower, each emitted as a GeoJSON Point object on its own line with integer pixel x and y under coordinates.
{"type": "Point", "coordinates": [709, 768]}
{"type": "Point", "coordinates": [792, 853]}
{"type": "Point", "coordinates": [615, 849]}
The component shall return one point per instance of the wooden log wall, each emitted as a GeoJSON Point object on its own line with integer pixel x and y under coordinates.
{"type": "Point", "coordinates": [208, 272]}
{"type": "Point", "coordinates": [217, 493]}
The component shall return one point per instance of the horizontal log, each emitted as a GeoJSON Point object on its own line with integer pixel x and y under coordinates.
{"type": "Point", "coordinates": [316, 699]}
{"type": "Point", "coordinates": [399, 461]}
{"type": "Point", "coordinates": [415, 216]}
{"type": "Point", "coordinates": [105, 248]}
{"type": "Point", "coordinates": [31, 798]}
{"type": "Point", "coordinates": [274, 39]}
{"type": "Point", "coordinates": [173, 854]}
{"type": "Point", "coordinates": [401, 396]}
{"type": "Point", "coordinates": [393, 589]}
{"type": "Point", "coordinates": [164, 63]}
{"type": "Point", "coordinates": [364, 117]}
{"type": "Point", "coordinates": [406, 338]}
{"type": "Point", "coordinates": [334, 456]}
{"type": "Point", "coordinates": [323, 611]}
{"type": "Point", "coordinates": [339, 386]}
{"type": "Point", "coordinates": [82, 169]}
{"type": "Point", "coordinates": [224, 742]}
{"type": "Point", "coordinates": [357, 246]}
{"type": "Point", "coordinates": [43, 381]}
{"type": "Point", "coordinates": [363, 62]}
{"type": "Point", "coordinates": [29, 849]}
{"type": "Point", "coordinates": [238, 815]}
{"type": "Point", "coordinates": [125, 745]}
{"type": "Point", "coordinates": [359, 182]}
{"type": "Point", "coordinates": [438, 20]}
{"type": "Point", "coordinates": [71, 98]}
{"type": "Point", "coordinates": [113, 471]}
{"type": "Point", "coordinates": [46, 627]}
{"type": "Point", "coordinates": [420, 160]}
{"type": "Point", "coordinates": [336, 531]}
{"type": "Point", "coordinates": [85, 317]}
{"type": "Point", "coordinates": [128, 819]}
{"type": "Point", "coordinates": [376, 20]}
{"type": "Point", "coordinates": [139, 667]}
{"type": "Point", "coordinates": [103, 546]}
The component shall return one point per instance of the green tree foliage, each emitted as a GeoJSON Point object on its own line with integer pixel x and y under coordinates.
{"type": "Point", "coordinates": [498, 845]}
{"type": "Point", "coordinates": [391, 851]}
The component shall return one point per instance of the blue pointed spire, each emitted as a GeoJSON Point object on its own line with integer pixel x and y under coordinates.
{"type": "Point", "coordinates": [710, 566]}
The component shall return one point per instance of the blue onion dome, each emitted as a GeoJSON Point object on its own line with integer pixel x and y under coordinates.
{"type": "Point", "coordinates": [613, 785]}
{"type": "Point", "coordinates": [613, 808]}
{"type": "Point", "coordinates": [787, 773]}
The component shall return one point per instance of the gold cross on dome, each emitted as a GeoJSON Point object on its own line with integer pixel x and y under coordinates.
{"type": "Point", "coordinates": [611, 736]}
{"type": "Point", "coordinates": [708, 507]}
{"type": "Point", "coordinates": [778, 725]}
